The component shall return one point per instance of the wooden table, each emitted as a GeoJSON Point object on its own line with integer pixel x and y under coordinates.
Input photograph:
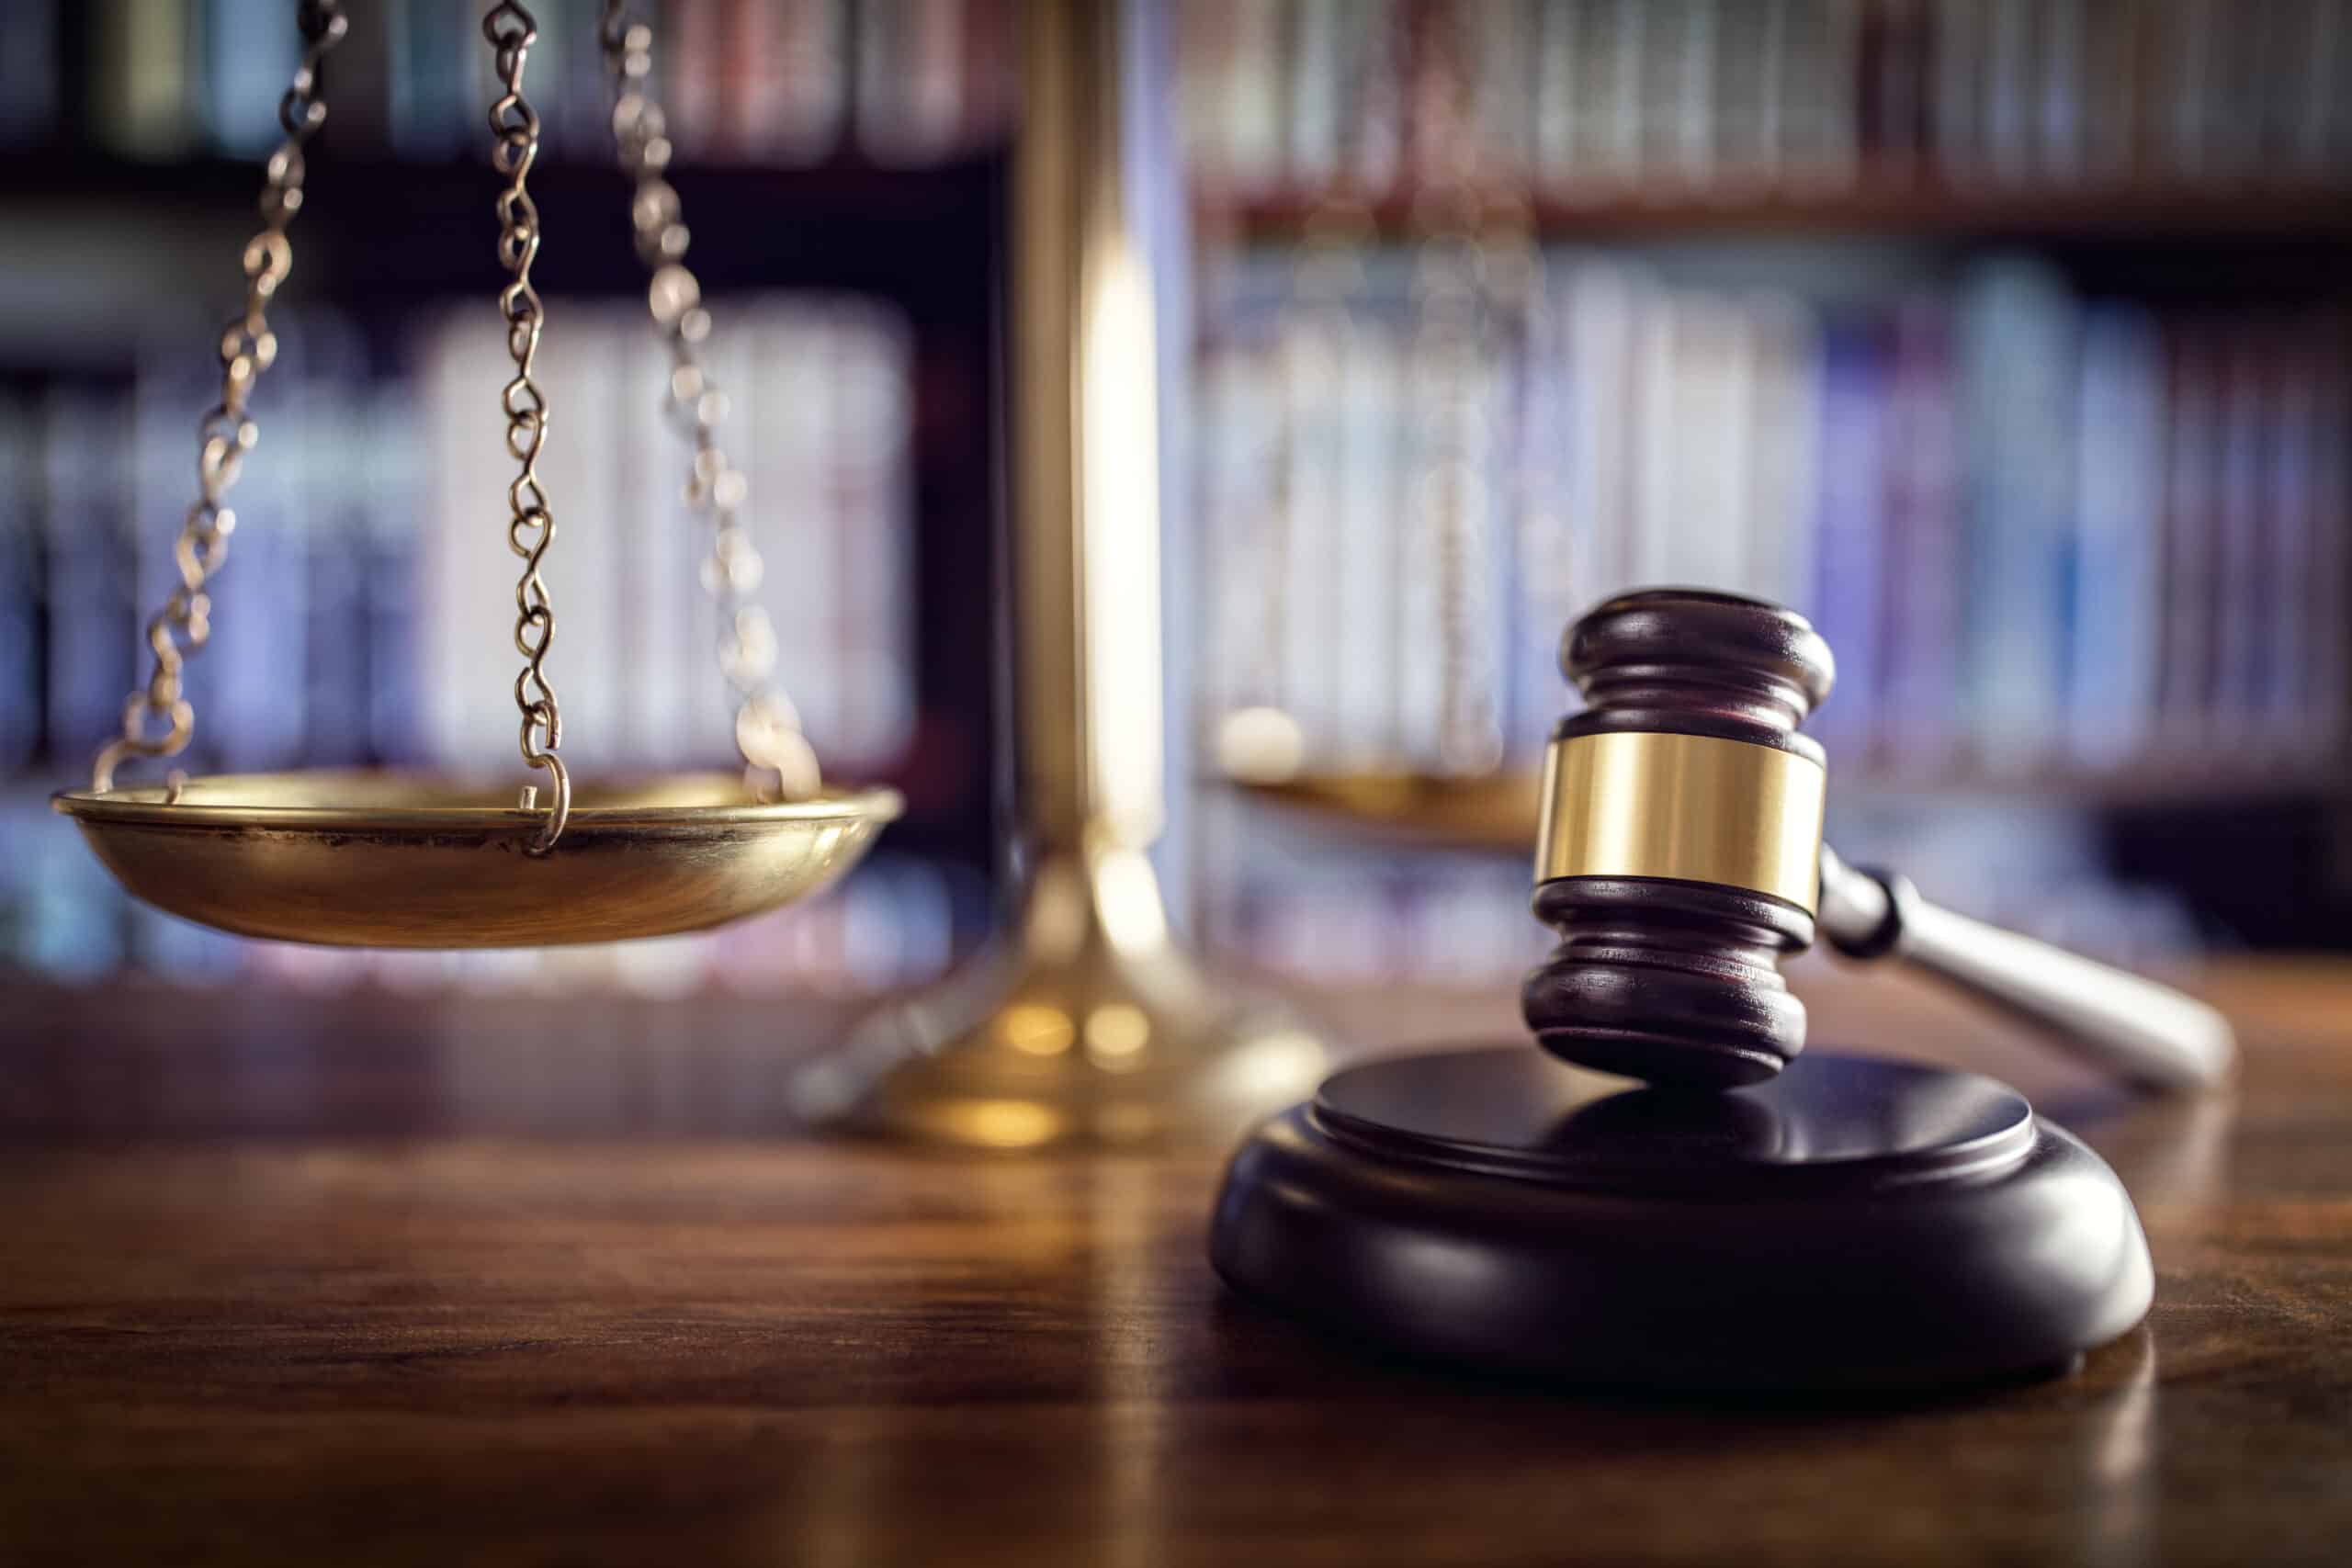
{"type": "Point", "coordinates": [382, 1280]}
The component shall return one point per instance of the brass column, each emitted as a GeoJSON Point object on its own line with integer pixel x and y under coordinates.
{"type": "Point", "coordinates": [1085, 1021]}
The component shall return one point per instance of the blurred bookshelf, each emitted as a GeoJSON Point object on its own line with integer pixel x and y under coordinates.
{"type": "Point", "coordinates": [2006, 337]}
{"type": "Point", "coordinates": [2011, 340]}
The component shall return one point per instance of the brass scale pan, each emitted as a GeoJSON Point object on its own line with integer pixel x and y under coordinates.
{"type": "Point", "coordinates": [1494, 811]}
{"type": "Point", "coordinates": [379, 860]}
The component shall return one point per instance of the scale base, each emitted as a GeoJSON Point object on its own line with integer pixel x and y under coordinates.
{"type": "Point", "coordinates": [1086, 1025]}
{"type": "Point", "coordinates": [1852, 1226]}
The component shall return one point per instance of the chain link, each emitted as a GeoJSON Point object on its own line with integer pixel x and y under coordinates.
{"type": "Point", "coordinates": [515, 125]}
{"type": "Point", "coordinates": [777, 759]}
{"type": "Point", "coordinates": [184, 624]}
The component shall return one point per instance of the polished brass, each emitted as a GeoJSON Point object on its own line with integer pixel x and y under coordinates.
{"type": "Point", "coordinates": [1494, 812]}
{"type": "Point", "coordinates": [1695, 807]}
{"type": "Point", "coordinates": [1086, 1021]}
{"type": "Point", "coordinates": [376, 860]}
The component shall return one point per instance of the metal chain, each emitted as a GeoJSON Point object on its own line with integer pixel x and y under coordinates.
{"type": "Point", "coordinates": [516, 127]}
{"type": "Point", "coordinates": [224, 436]}
{"type": "Point", "coordinates": [1451, 345]}
{"type": "Point", "coordinates": [1452, 285]}
{"type": "Point", "coordinates": [777, 759]}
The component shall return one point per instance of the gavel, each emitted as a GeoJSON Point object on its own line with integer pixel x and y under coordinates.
{"type": "Point", "coordinates": [1681, 858]}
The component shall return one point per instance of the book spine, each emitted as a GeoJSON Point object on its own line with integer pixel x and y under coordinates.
{"type": "Point", "coordinates": [662, 553]}
{"type": "Point", "coordinates": [696, 76]}
{"type": "Point", "coordinates": [2192, 481]}
{"type": "Point", "coordinates": [1620, 155]}
{"type": "Point", "coordinates": [2119, 605]}
{"type": "Point", "coordinates": [1784, 416]}
{"type": "Point", "coordinates": [1544, 587]}
{"type": "Point", "coordinates": [255, 666]}
{"type": "Point", "coordinates": [466, 604]}
{"type": "Point", "coordinates": [143, 78]}
{"type": "Point", "coordinates": [1657, 326]}
{"type": "Point", "coordinates": [2063, 137]}
{"type": "Point", "coordinates": [1850, 579]}
{"type": "Point", "coordinates": [94, 621]}
{"type": "Point", "coordinates": [1309, 454]}
{"type": "Point", "coordinates": [872, 659]}
{"type": "Point", "coordinates": [437, 81]}
{"type": "Point", "coordinates": [2008, 119]}
{"type": "Point", "coordinates": [357, 82]}
{"type": "Point", "coordinates": [249, 52]}
{"type": "Point", "coordinates": [1606, 307]}
{"type": "Point", "coordinates": [2290, 651]}
{"type": "Point", "coordinates": [22, 589]}
{"type": "Point", "coordinates": [31, 68]}
{"type": "Point", "coordinates": [1501, 49]}
{"type": "Point", "coordinates": [988, 69]}
{"type": "Point", "coordinates": [1598, 156]}
{"type": "Point", "coordinates": [2327, 457]}
{"type": "Point", "coordinates": [797, 110]}
{"type": "Point", "coordinates": [391, 527]}
{"type": "Point", "coordinates": [2320, 129]}
{"type": "Point", "coordinates": [1959, 95]}
{"type": "Point", "coordinates": [937, 76]}
{"type": "Point", "coordinates": [1312, 132]}
{"type": "Point", "coordinates": [1702, 446]}
{"type": "Point", "coordinates": [1747, 107]}
{"type": "Point", "coordinates": [1557, 42]}
{"type": "Point", "coordinates": [2244, 594]}
{"type": "Point", "coordinates": [1251, 107]}
{"type": "Point", "coordinates": [2018, 348]}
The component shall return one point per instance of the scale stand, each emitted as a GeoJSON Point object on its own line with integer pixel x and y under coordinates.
{"type": "Point", "coordinates": [1087, 1022]}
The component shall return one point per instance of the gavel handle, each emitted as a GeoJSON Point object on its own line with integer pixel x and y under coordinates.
{"type": "Point", "coordinates": [2142, 1030]}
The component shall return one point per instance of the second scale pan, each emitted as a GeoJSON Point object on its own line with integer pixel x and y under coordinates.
{"type": "Point", "coordinates": [1495, 811]}
{"type": "Point", "coordinates": [385, 860]}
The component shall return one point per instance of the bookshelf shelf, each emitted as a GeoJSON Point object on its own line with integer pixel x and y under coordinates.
{"type": "Point", "coordinates": [1887, 204]}
{"type": "Point", "coordinates": [394, 228]}
{"type": "Point", "coordinates": [848, 179]}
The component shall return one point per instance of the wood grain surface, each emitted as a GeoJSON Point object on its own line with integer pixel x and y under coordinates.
{"type": "Point", "coordinates": [446, 1280]}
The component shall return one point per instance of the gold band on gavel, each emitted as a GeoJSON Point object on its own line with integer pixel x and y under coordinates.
{"type": "Point", "coordinates": [1689, 806]}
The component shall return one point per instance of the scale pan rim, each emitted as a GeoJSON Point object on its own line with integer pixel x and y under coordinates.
{"type": "Point", "coordinates": [439, 803]}
{"type": "Point", "coordinates": [1492, 811]}
{"type": "Point", "coordinates": [378, 859]}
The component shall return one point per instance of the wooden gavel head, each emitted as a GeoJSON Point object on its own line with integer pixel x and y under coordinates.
{"type": "Point", "coordinates": [1680, 844]}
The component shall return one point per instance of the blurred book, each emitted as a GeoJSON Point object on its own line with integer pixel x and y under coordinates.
{"type": "Point", "coordinates": [2046, 536]}
{"type": "Point", "coordinates": [1652, 97]}
{"type": "Point", "coordinates": [776, 81]}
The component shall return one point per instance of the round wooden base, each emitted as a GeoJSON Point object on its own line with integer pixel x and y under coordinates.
{"type": "Point", "coordinates": [1851, 1225]}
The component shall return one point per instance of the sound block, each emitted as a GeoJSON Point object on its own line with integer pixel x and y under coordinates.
{"type": "Point", "coordinates": [1852, 1224]}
